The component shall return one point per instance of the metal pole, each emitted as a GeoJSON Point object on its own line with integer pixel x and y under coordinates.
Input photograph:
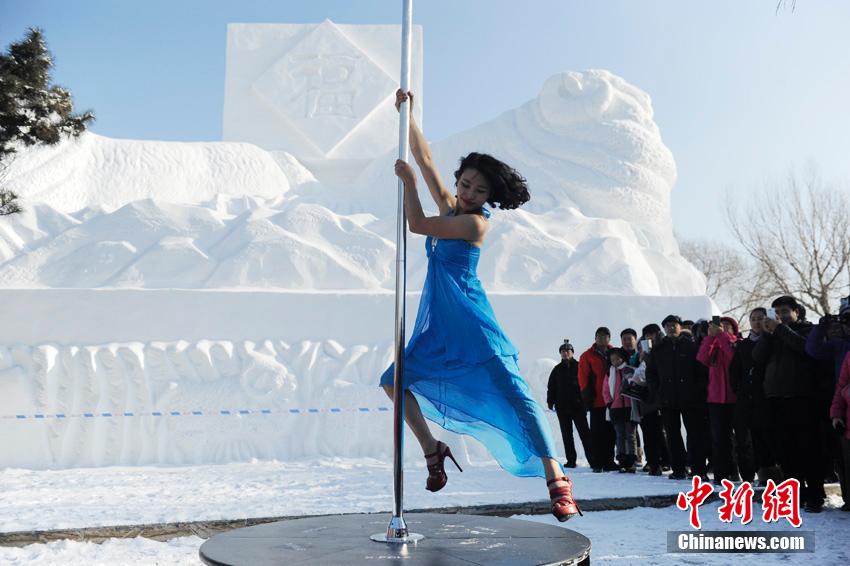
{"type": "Point", "coordinates": [397, 529]}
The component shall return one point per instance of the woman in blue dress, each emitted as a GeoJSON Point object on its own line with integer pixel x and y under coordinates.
{"type": "Point", "coordinates": [460, 369]}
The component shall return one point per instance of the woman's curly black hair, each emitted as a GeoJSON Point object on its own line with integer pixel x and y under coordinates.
{"type": "Point", "coordinates": [508, 188]}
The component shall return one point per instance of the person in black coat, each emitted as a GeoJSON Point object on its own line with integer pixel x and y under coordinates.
{"type": "Point", "coordinates": [756, 443]}
{"type": "Point", "coordinates": [791, 385]}
{"type": "Point", "coordinates": [657, 453]}
{"type": "Point", "coordinates": [678, 382]}
{"type": "Point", "coordinates": [564, 396]}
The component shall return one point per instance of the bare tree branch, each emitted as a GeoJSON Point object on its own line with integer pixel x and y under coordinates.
{"type": "Point", "coordinates": [799, 235]}
{"type": "Point", "coordinates": [733, 280]}
{"type": "Point", "coordinates": [782, 3]}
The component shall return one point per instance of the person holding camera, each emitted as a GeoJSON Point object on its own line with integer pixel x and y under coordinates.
{"type": "Point", "coordinates": [839, 411]}
{"type": "Point", "coordinates": [715, 352]}
{"type": "Point", "coordinates": [679, 382]}
{"type": "Point", "coordinates": [655, 442]}
{"type": "Point", "coordinates": [592, 373]}
{"type": "Point", "coordinates": [564, 396]}
{"type": "Point", "coordinates": [829, 342]}
{"type": "Point", "coordinates": [791, 387]}
{"type": "Point", "coordinates": [756, 444]}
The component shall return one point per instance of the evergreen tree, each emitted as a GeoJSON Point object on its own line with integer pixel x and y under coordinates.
{"type": "Point", "coordinates": [31, 110]}
{"type": "Point", "coordinates": [8, 204]}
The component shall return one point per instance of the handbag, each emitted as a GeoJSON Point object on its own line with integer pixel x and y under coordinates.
{"type": "Point", "coordinates": [631, 389]}
{"type": "Point", "coordinates": [635, 391]}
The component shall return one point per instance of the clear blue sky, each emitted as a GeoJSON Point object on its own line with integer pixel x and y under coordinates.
{"type": "Point", "coordinates": [742, 94]}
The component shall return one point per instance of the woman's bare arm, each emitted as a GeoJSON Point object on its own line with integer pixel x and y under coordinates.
{"type": "Point", "coordinates": [421, 151]}
{"type": "Point", "coordinates": [469, 227]}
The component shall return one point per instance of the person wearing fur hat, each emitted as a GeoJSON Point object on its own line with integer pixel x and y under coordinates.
{"type": "Point", "coordinates": [564, 396]}
{"type": "Point", "coordinates": [678, 382]}
{"type": "Point", "coordinates": [715, 352]}
{"type": "Point", "coordinates": [791, 387]}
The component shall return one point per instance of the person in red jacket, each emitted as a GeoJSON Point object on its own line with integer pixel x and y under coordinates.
{"type": "Point", "coordinates": [716, 352]}
{"type": "Point", "coordinates": [840, 413]}
{"type": "Point", "coordinates": [592, 372]}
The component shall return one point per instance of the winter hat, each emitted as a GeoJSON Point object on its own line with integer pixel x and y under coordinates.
{"type": "Point", "coordinates": [650, 329]}
{"type": "Point", "coordinates": [786, 300]}
{"type": "Point", "coordinates": [731, 321]}
{"type": "Point", "coordinates": [566, 346]}
{"type": "Point", "coordinates": [671, 318]}
{"type": "Point", "coordinates": [845, 306]}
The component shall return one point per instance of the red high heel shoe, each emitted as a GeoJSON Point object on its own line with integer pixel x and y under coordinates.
{"type": "Point", "coordinates": [564, 506]}
{"type": "Point", "coordinates": [437, 478]}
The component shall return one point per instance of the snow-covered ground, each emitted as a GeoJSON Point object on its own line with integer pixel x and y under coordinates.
{"type": "Point", "coordinates": [89, 497]}
{"type": "Point", "coordinates": [39, 500]}
{"type": "Point", "coordinates": [119, 552]}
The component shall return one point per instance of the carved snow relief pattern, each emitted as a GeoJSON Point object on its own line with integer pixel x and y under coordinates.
{"type": "Point", "coordinates": [320, 92]}
{"type": "Point", "coordinates": [318, 85]}
{"type": "Point", "coordinates": [198, 402]}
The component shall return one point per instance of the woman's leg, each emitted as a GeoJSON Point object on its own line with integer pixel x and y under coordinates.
{"type": "Point", "coordinates": [553, 470]}
{"type": "Point", "coordinates": [417, 423]}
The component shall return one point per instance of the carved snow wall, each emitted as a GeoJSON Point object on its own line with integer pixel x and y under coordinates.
{"type": "Point", "coordinates": [317, 91]}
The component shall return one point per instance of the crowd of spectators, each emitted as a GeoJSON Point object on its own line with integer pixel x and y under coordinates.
{"type": "Point", "coordinates": [771, 405]}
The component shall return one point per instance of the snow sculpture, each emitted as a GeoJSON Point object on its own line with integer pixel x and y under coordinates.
{"type": "Point", "coordinates": [184, 303]}
{"type": "Point", "coordinates": [316, 91]}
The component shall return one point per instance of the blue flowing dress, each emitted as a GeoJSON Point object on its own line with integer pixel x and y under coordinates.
{"type": "Point", "coordinates": [463, 369]}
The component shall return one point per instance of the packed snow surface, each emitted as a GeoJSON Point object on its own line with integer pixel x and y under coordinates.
{"type": "Point", "coordinates": [88, 497]}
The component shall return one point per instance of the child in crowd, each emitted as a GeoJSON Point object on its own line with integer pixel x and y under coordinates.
{"type": "Point", "coordinates": [621, 413]}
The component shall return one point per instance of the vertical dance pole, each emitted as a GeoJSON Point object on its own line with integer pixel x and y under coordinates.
{"type": "Point", "coordinates": [397, 529]}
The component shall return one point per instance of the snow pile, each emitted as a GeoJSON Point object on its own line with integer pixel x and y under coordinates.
{"type": "Point", "coordinates": [228, 242]}
{"type": "Point", "coordinates": [227, 215]}
{"type": "Point", "coordinates": [600, 179]}
{"type": "Point", "coordinates": [138, 550]}
{"type": "Point", "coordinates": [96, 171]}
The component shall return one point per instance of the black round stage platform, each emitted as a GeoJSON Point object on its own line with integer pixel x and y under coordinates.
{"type": "Point", "coordinates": [449, 540]}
